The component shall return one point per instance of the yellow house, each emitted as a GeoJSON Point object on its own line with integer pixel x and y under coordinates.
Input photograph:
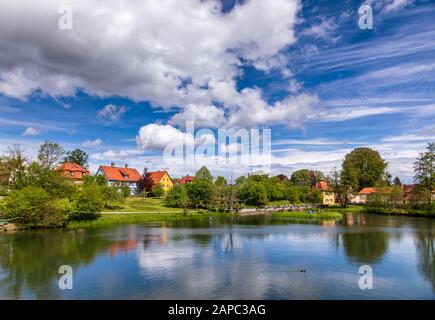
{"type": "Point", "coordinates": [328, 196]}
{"type": "Point", "coordinates": [162, 178]}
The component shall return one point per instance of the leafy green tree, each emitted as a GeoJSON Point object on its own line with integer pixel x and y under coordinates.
{"type": "Point", "coordinates": [177, 197]}
{"type": "Point", "coordinates": [303, 177]}
{"type": "Point", "coordinates": [204, 174]}
{"type": "Point", "coordinates": [199, 193]}
{"type": "Point", "coordinates": [343, 183]}
{"type": "Point", "coordinates": [252, 193]}
{"type": "Point", "coordinates": [50, 154]}
{"type": "Point", "coordinates": [27, 204]}
{"type": "Point", "coordinates": [89, 201]}
{"type": "Point", "coordinates": [125, 191]}
{"type": "Point", "coordinates": [292, 194]}
{"type": "Point", "coordinates": [77, 156]}
{"type": "Point", "coordinates": [424, 173]}
{"type": "Point", "coordinates": [364, 167]}
{"type": "Point", "coordinates": [110, 194]}
{"type": "Point", "coordinates": [158, 191]}
{"type": "Point", "coordinates": [38, 176]}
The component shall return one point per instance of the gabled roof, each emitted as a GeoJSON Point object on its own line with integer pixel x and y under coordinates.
{"type": "Point", "coordinates": [367, 191]}
{"type": "Point", "coordinates": [408, 187]}
{"type": "Point", "coordinates": [186, 179]}
{"type": "Point", "coordinates": [71, 167]}
{"type": "Point", "coordinates": [322, 186]}
{"type": "Point", "coordinates": [156, 176]}
{"type": "Point", "coordinates": [120, 174]}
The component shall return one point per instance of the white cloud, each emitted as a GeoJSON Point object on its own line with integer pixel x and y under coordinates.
{"type": "Point", "coordinates": [185, 54]}
{"type": "Point", "coordinates": [343, 114]}
{"type": "Point", "coordinates": [158, 137]}
{"type": "Point", "coordinates": [31, 131]}
{"type": "Point", "coordinates": [93, 143]}
{"type": "Point", "coordinates": [112, 112]}
{"type": "Point", "coordinates": [396, 5]}
{"type": "Point", "coordinates": [204, 116]}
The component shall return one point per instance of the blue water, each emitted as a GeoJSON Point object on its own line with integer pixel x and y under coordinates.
{"type": "Point", "coordinates": [244, 258]}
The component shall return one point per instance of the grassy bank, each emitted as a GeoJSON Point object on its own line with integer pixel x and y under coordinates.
{"type": "Point", "coordinates": [106, 220]}
{"type": "Point", "coordinates": [139, 204]}
{"type": "Point", "coordinates": [306, 215]}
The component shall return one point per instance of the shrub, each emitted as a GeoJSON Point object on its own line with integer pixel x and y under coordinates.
{"type": "Point", "coordinates": [88, 203]}
{"type": "Point", "coordinates": [125, 191]}
{"type": "Point", "coordinates": [28, 205]}
{"type": "Point", "coordinates": [176, 197]}
{"type": "Point", "coordinates": [158, 191]}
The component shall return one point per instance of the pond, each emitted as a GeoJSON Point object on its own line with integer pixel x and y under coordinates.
{"type": "Point", "coordinates": [231, 258]}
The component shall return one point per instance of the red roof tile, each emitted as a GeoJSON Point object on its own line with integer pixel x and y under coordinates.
{"type": "Point", "coordinates": [72, 171]}
{"type": "Point", "coordinates": [186, 179]}
{"type": "Point", "coordinates": [156, 176]}
{"type": "Point", "coordinates": [367, 191]}
{"type": "Point", "coordinates": [322, 186]}
{"type": "Point", "coordinates": [121, 174]}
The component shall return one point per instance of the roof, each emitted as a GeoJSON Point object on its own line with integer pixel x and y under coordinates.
{"type": "Point", "coordinates": [186, 179]}
{"type": "Point", "coordinates": [322, 185]}
{"type": "Point", "coordinates": [408, 187]}
{"type": "Point", "coordinates": [367, 190]}
{"type": "Point", "coordinates": [71, 167]}
{"type": "Point", "coordinates": [156, 176]}
{"type": "Point", "coordinates": [120, 174]}
{"type": "Point", "coordinates": [67, 170]}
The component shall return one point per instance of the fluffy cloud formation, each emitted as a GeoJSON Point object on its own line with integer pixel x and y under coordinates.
{"type": "Point", "coordinates": [158, 137]}
{"type": "Point", "coordinates": [184, 54]}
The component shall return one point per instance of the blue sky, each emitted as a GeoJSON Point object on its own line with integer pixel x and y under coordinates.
{"type": "Point", "coordinates": [303, 69]}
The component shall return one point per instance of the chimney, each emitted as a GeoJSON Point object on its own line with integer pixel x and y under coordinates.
{"type": "Point", "coordinates": [112, 164]}
{"type": "Point", "coordinates": [126, 166]}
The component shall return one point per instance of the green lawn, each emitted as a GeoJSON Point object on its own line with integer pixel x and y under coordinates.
{"type": "Point", "coordinates": [143, 205]}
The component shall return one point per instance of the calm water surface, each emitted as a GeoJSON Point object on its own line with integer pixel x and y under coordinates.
{"type": "Point", "coordinates": [243, 258]}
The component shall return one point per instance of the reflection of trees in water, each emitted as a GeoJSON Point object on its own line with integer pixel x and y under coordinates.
{"type": "Point", "coordinates": [31, 260]}
{"type": "Point", "coordinates": [365, 247]}
{"type": "Point", "coordinates": [426, 254]}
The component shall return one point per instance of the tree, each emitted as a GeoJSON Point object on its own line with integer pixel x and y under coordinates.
{"type": "Point", "coordinates": [146, 182]}
{"type": "Point", "coordinates": [158, 191]}
{"type": "Point", "coordinates": [366, 166]}
{"type": "Point", "coordinates": [303, 177]}
{"type": "Point", "coordinates": [424, 173]}
{"type": "Point", "coordinates": [12, 165]}
{"type": "Point", "coordinates": [342, 183]}
{"type": "Point", "coordinates": [204, 174]}
{"type": "Point", "coordinates": [35, 175]}
{"type": "Point", "coordinates": [397, 181]}
{"type": "Point", "coordinates": [199, 192]}
{"type": "Point", "coordinates": [50, 154]}
{"type": "Point", "coordinates": [125, 191]}
{"type": "Point", "coordinates": [177, 197]}
{"type": "Point", "coordinates": [77, 156]}
{"type": "Point", "coordinates": [89, 201]}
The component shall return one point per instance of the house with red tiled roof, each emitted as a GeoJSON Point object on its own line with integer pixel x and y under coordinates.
{"type": "Point", "coordinates": [407, 192]}
{"type": "Point", "coordinates": [187, 179]}
{"type": "Point", "coordinates": [363, 195]}
{"type": "Point", "coordinates": [328, 195]}
{"type": "Point", "coordinates": [73, 171]}
{"type": "Point", "coordinates": [121, 176]}
{"type": "Point", "coordinates": [162, 178]}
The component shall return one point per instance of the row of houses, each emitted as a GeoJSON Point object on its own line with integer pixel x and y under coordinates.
{"type": "Point", "coordinates": [120, 176]}
{"type": "Point", "coordinates": [329, 198]}
{"type": "Point", "coordinates": [130, 177]}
